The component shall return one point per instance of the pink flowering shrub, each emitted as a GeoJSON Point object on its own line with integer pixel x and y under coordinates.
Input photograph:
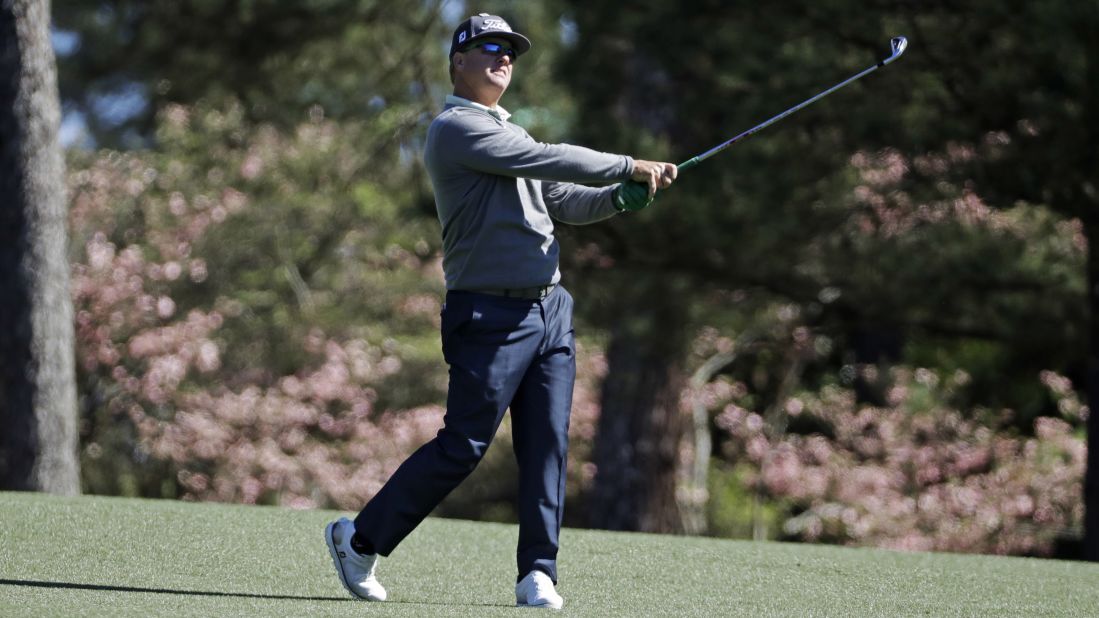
{"type": "Point", "coordinates": [306, 441]}
{"type": "Point", "coordinates": [915, 475]}
{"type": "Point", "coordinates": [170, 407]}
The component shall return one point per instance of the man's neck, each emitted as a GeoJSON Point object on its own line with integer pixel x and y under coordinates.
{"type": "Point", "coordinates": [499, 112]}
{"type": "Point", "coordinates": [487, 99]}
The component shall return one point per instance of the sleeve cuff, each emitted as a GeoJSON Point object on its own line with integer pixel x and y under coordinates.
{"type": "Point", "coordinates": [629, 167]}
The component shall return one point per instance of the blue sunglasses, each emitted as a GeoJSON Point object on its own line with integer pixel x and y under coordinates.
{"type": "Point", "coordinates": [494, 49]}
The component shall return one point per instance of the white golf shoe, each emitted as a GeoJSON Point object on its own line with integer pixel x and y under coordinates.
{"type": "Point", "coordinates": [536, 590]}
{"type": "Point", "coordinates": [355, 570]}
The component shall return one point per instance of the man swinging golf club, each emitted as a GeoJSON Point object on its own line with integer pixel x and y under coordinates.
{"type": "Point", "coordinates": [507, 322]}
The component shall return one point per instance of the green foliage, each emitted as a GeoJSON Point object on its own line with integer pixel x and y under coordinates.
{"type": "Point", "coordinates": [735, 511]}
{"type": "Point", "coordinates": [936, 214]}
{"type": "Point", "coordinates": [867, 210]}
{"type": "Point", "coordinates": [301, 257]}
{"type": "Point", "coordinates": [349, 58]}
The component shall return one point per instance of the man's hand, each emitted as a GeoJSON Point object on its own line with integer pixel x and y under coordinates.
{"type": "Point", "coordinates": [648, 176]}
{"type": "Point", "coordinates": [655, 175]}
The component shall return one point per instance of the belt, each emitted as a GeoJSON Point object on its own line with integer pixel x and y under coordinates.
{"type": "Point", "coordinates": [535, 293]}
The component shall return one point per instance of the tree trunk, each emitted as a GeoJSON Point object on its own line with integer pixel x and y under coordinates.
{"type": "Point", "coordinates": [38, 444]}
{"type": "Point", "coordinates": [640, 427]}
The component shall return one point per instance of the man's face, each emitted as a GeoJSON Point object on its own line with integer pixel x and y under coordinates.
{"type": "Point", "coordinates": [481, 70]}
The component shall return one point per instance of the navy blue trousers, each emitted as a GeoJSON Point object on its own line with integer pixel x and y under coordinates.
{"type": "Point", "coordinates": [502, 352]}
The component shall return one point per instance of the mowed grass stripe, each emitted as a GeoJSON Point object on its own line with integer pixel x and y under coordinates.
{"type": "Point", "coordinates": [94, 556]}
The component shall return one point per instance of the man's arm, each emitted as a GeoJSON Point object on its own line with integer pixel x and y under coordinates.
{"type": "Point", "coordinates": [577, 204]}
{"type": "Point", "coordinates": [476, 141]}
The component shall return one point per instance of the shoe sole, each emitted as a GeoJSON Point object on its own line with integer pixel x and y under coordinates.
{"type": "Point", "coordinates": [540, 605]}
{"type": "Point", "coordinates": [332, 551]}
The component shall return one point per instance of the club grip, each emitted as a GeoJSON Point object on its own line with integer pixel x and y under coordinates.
{"type": "Point", "coordinates": [688, 164]}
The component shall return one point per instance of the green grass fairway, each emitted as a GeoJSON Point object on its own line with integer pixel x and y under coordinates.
{"type": "Point", "coordinates": [119, 557]}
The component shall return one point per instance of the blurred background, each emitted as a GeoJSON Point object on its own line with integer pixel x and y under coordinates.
{"type": "Point", "coordinates": [867, 325]}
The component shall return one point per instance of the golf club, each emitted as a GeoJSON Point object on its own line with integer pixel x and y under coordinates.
{"type": "Point", "coordinates": [897, 44]}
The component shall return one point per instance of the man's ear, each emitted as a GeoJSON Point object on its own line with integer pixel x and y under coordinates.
{"type": "Point", "coordinates": [459, 59]}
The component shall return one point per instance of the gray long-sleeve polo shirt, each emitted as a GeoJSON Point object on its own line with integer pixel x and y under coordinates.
{"type": "Point", "coordinates": [497, 192]}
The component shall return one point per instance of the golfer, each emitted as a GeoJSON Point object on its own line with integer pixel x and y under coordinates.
{"type": "Point", "coordinates": [507, 322]}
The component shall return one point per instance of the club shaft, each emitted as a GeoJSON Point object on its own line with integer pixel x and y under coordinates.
{"type": "Point", "coordinates": [711, 152]}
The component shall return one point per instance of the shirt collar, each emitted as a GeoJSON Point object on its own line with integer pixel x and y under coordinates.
{"type": "Point", "coordinates": [497, 112]}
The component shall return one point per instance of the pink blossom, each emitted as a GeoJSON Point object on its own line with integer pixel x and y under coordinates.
{"type": "Point", "coordinates": [931, 480]}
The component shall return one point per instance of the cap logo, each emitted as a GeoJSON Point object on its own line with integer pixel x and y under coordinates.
{"type": "Point", "coordinates": [462, 37]}
{"type": "Point", "coordinates": [496, 24]}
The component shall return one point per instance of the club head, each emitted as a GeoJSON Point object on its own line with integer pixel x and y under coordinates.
{"type": "Point", "coordinates": [898, 43]}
